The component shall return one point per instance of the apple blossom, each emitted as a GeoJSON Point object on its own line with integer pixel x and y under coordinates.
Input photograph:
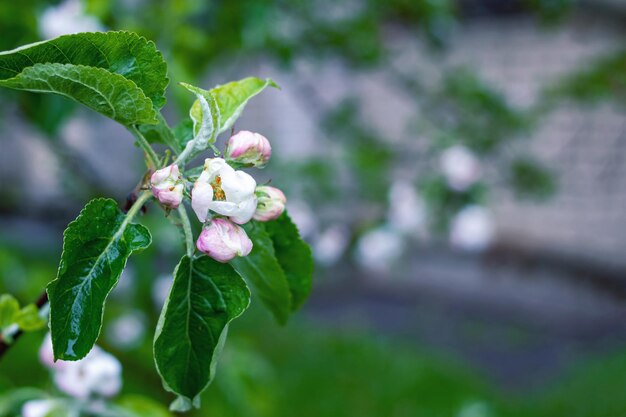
{"type": "Point", "coordinates": [38, 408]}
{"type": "Point", "coordinates": [330, 245]}
{"type": "Point", "coordinates": [99, 373]}
{"type": "Point", "coordinates": [460, 167]}
{"type": "Point", "coordinates": [472, 229]}
{"type": "Point", "coordinates": [248, 149]}
{"type": "Point", "coordinates": [271, 203]}
{"type": "Point", "coordinates": [65, 18]}
{"type": "Point", "coordinates": [223, 240]}
{"type": "Point", "coordinates": [225, 191]}
{"type": "Point", "coordinates": [407, 210]}
{"type": "Point", "coordinates": [379, 248]}
{"type": "Point", "coordinates": [168, 186]}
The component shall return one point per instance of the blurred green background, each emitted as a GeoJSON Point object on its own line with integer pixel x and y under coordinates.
{"type": "Point", "coordinates": [482, 281]}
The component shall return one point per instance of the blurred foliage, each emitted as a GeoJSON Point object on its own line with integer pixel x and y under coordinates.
{"type": "Point", "coordinates": [444, 202]}
{"type": "Point", "coordinates": [604, 79]}
{"type": "Point", "coordinates": [201, 37]}
{"type": "Point", "coordinates": [475, 113]}
{"type": "Point", "coordinates": [531, 180]}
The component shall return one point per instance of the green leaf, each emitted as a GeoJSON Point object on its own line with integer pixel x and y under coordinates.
{"type": "Point", "coordinates": [138, 406]}
{"type": "Point", "coordinates": [183, 132]}
{"type": "Point", "coordinates": [204, 126]}
{"type": "Point", "coordinates": [261, 269]}
{"type": "Point", "coordinates": [123, 53]}
{"type": "Point", "coordinates": [96, 247]}
{"type": "Point", "coordinates": [294, 256]}
{"type": "Point", "coordinates": [231, 99]}
{"type": "Point", "coordinates": [9, 308]}
{"type": "Point", "coordinates": [28, 319]}
{"type": "Point", "coordinates": [105, 92]}
{"type": "Point", "coordinates": [205, 297]}
{"type": "Point", "coordinates": [160, 133]}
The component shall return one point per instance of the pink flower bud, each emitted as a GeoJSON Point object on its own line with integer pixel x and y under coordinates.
{"type": "Point", "coordinates": [222, 240]}
{"type": "Point", "coordinates": [249, 149]}
{"type": "Point", "coordinates": [168, 186]}
{"type": "Point", "coordinates": [271, 203]}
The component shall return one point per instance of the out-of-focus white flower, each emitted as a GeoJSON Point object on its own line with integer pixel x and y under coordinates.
{"type": "Point", "coordinates": [223, 240]}
{"type": "Point", "coordinates": [248, 149]}
{"type": "Point", "coordinates": [303, 217]}
{"type": "Point", "coordinates": [379, 248]}
{"type": "Point", "coordinates": [66, 18]}
{"type": "Point", "coordinates": [475, 409]}
{"type": "Point", "coordinates": [127, 331]}
{"type": "Point", "coordinates": [99, 373]}
{"type": "Point", "coordinates": [168, 186]}
{"type": "Point", "coordinates": [460, 167]}
{"type": "Point", "coordinates": [271, 203]}
{"type": "Point", "coordinates": [472, 229]}
{"type": "Point", "coordinates": [161, 289]}
{"type": "Point", "coordinates": [46, 355]}
{"type": "Point", "coordinates": [331, 244]}
{"type": "Point", "coordinates": [407, 211]}
{"type": "Point", "coordinates": [225, 191]}
{"type": "Point", "coordinates": [38, 408]}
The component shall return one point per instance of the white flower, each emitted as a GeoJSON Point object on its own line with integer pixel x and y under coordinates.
{"type": "Point", "coordinates": [66, 18]}
{"type": "Point", "coordinates": [225, 191]}
{"type": "Point", "coordinates": [38, 408]}
{"type": "Point", "coordinates": [127, 331]}
{"type": "Point", "coordinates": [223, 240]}
{"type": "Point", "coordinates": [99, 373]}
{"type": "Point", "coordinates": [460, 167]}
{"type": "Point", "coordinates": [161, 289]}
{"type": "Point", "coordinates": [331, 244]}
{"type": "Point", "coordinates": [379, 248]}
{"type": "Point", "coordinates": [407, 211]}
{"type": "Point", "coordinates": [303, 217]}
{"type": "Point", "coordinates": [472, 229]}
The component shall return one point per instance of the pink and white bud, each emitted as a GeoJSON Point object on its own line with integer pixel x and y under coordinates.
{"type": "Point", "coordinates": [168, 186]}
{"type": "Point", "coordinates": [223, 240]}
{"type": "Point", "coordinates": [271, 203]}
{"type": "Point", "coordinates": [248, 149]}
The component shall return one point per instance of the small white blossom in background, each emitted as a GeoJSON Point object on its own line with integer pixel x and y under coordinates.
{"type": "Point", "coordinates": [66, 18]}
{"type": "Point", "coordinates": [303, 217]}
{"type": "Point", "coordinates": [38, 408]}
{"type": "Point", "coordinates": [161, 289]}
{"type": "Point", "coordinates": [407, 211]}
{"type": "Point", "coordinates": [475, 409]}
{"type": "Point", "coordinates": [378, 249]}
{"type": "Point", "coordinates": [127, 331]}
{"type": "Point", "coordinates": [460, 167]}
{"type": "Point", "coordinates": [330, 245]}
{"type": "Point", "coordinates": [472, 229]}
{"type": "Point", "coordinates": [98, 374]}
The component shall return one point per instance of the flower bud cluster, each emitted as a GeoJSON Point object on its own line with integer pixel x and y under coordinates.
{"type": "Point", "coordinates": [223, 197]}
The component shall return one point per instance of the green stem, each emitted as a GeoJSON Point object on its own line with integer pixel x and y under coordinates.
{"type": "Point", "coordinates": [184, 220]}
{"type": "Point", "coordinates": [152, 157]}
